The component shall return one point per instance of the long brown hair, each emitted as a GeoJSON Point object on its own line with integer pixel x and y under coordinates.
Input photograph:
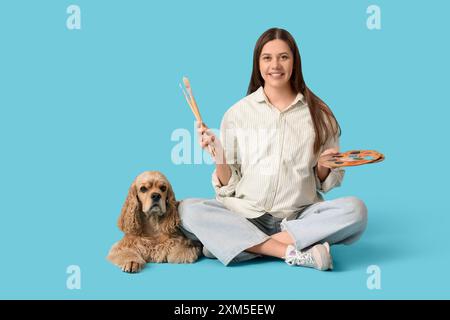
{"type": "Point", "coordinates": [325, 124]}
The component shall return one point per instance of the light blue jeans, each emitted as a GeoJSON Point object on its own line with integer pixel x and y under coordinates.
{"type": "Point", "coordinates": [227, 234]}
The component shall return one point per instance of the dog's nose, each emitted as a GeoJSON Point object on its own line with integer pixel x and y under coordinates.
{"type": "Point", "coordinates": [155, 196]}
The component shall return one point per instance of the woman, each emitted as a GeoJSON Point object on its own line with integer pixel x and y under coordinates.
{"type": "Point", "coordinates": [269, 176]}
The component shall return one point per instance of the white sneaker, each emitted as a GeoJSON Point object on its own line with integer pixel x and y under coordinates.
{"type": "Point", "coordinates": [327, 246]}
{"type": "Point", "coordinates": [318, 257]}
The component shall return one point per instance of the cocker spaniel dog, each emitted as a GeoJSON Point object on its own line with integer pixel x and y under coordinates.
{"type": "Point", "coordinates": [150, 221]}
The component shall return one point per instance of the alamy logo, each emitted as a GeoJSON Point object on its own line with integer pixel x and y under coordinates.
{"type": "Point", "coordinates": [374, 20]}
{"type": "Point", "coordinates": [73, 21]}
{"type": "Point", "coordinates": [374, 280]}
{"type": "Point", "coordinates": [74, 278]}
{"type": "Point", "coordinates": [251, 150]}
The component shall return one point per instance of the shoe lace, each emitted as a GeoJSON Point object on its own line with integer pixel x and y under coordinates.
{"type": "Point", "coordinates": [301, 258]}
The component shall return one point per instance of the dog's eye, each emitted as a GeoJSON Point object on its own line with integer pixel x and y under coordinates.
{"type": "Point", "coordinates": [163, 188]}
{"type": "Point", "coordinates": [143, 189]}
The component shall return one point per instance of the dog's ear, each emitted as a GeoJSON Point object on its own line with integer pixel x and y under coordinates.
{"type": "Point", "coordinates": [130, 220]}
{"type": "Point", "coordinates": [171, 201]}
{"type": "Point", "coordinates": [172, 219]}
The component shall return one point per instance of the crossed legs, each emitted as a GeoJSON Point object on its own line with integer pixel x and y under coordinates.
{"type": "Point", "coordinates": [275, 246]}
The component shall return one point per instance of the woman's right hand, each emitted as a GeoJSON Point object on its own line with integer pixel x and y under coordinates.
{"type": "Point", "coordinates": [208, 141]}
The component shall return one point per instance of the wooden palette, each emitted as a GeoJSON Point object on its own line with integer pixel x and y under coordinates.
{"type": "Point", "coordinates": [351, 158]}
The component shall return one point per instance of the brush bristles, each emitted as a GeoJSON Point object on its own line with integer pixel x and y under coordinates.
{"type": "Point", "coordinates": [186, 82]}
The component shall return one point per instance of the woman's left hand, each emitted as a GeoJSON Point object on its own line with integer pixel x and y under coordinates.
{"type": "Point", "coordinates": [321, 165]}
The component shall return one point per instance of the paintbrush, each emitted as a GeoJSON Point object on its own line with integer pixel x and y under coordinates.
{"type": "Point", "coordinates": [189, 96]}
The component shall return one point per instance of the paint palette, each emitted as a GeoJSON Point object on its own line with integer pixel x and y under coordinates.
{"type": "Point", "coordinates": [351, 158]}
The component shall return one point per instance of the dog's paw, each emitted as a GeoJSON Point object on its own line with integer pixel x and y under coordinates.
{"type": "Point", "coordinates": [132, 267]}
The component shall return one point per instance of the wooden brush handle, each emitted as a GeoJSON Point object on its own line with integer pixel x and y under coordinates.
{"type": "Point", "coordinates": [195, 107]}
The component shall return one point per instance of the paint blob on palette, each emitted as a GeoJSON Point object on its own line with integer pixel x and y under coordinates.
{"type": "Point", "coordinates": [351, 158]}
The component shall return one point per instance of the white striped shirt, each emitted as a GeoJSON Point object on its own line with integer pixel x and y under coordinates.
{"type": "Point", "coordinates": [270, 154]}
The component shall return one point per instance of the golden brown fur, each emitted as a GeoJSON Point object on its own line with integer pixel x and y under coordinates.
{"type": "Point", "coordinates": [150, 221]}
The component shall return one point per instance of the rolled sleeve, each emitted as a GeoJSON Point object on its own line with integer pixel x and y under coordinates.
{"type": "Point", "coordinates": [333, 180]}
{"type": "Point", "coordinates": [229, 142]}
{"type": "Point", "coordinates": [229, 189]}
{"type": "Point", "coordinates": [335, 176]}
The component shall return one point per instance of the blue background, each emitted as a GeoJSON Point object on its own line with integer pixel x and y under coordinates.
{"type": "Point", "coordinates": [82, 112]}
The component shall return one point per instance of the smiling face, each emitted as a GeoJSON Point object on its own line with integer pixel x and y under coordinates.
{"type": "Point", "coordinates": [152, 191]}
{"type": "Point", "coordinates": [275, 63]}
